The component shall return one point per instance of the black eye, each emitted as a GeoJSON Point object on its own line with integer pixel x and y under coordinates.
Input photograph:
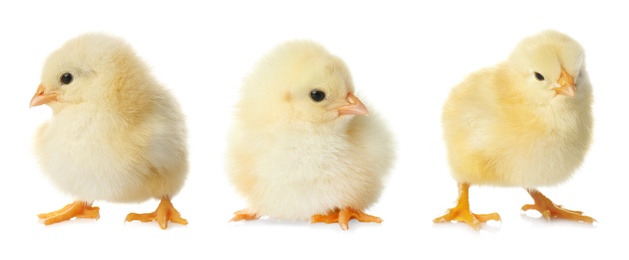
{"type": "Point", "coordinates": [317, 95]}
{"type": "Point", "coordinates": [66, 78]}
{"type": "Point", "coordinates": [539, 76]}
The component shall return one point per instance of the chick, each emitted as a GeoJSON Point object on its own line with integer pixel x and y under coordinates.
{"type": "Point", "coordinates": [302, 145]}
{"type": "Point", "coordinates": [115, 135]}
{"type": "Point", "coordinates": [526, 122]}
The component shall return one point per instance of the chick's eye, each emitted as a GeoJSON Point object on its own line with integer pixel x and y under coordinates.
{"type": "Point", "coordinates": [539, 76]}
{"type": "Point", "coordinates": [66, 78]}
{"type": "Point", "coordinates": [317, 95]}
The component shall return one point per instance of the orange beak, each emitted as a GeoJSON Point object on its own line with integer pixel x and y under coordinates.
{"type": "Point", "coordinates": [355, 107]}
{"type": "Point", "coordinates": [41, 98]}
{"type": "Point", "coordinates": [566, 83]}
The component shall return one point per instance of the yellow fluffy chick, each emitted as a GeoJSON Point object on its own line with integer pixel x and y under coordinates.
{"type": "Point", "coordinates": [526, 122]}
{"type": "Point", "coordinates": [302, 145]}
{"type": "Point", "coordinates": [115, 134]}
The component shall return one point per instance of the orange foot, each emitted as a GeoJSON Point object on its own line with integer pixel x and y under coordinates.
{"type": "Point", "coordinates": [548, 209]}
{"type": "Point", "coordinates": [165, 212]}
{"type": "Point", "coordinates": [344, 216]}
{"type": "Point", "coordinates": [244, 214]}
{"type": "Point", "coordinates": [461, 212]}
{"type": "Point", "coordinates": [78, 209]}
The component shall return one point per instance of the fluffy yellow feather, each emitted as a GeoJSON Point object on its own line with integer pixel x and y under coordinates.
{"type": "Point", "coordinates": [302, 146]}
{"type": "Point", "coordinates": [526, 122]}
{"type": "Point", "coordinates": [115, 134]}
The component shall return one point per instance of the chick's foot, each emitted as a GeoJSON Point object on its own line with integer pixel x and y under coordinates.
{"type": "Point", "coordinates": [343, 216]}
{"type": "Point", "coordinates": [244, 214]}
{"type": "Point", "coordinates": [461, 212]}
{"type": "Point", "coordinates": [77, 209]}
{"type": "Point", "coordinates": [164, 213]}
{"type": "Point", "coordinates": [548, 209]}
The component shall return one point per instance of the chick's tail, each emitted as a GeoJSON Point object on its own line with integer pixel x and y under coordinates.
{"type": "Point", "coordinates": [461, 212]}
{"type": "Point", "coordinates": [164, 213]}
{"type": "Point", "coordinates": [77, 209]}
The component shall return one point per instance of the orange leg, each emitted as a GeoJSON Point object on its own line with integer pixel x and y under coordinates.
{"type": "Point", "coordinates": [461, 212]}
{"type": "Point", "coordinates": [77, 209]}
{"type": "Point", "coordinates": [343, 216]}
{"type": "Point", "coordinates": [244, 214]}
{"type": "Point", "coordinates": [548, 209]}
{"type": "Point", "coordinates": [165, 212]}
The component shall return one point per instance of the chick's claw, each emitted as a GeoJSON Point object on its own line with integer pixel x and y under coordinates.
{"type": "Point", "coordinates": [164, 213]}
{"type": "Point", "coordinates": [77, 209]}
{"type": "Point", "coordinates": [344, 216]}
{"type": "Point", "coordinates": [549, 210]}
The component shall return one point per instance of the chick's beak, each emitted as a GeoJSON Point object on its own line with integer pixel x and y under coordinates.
{"type": "Point", "coordinates": [566, 83]}
{"type": "Point", "coordinates": [355, 107]}
{"type": "Point", "coordinates": [41, 98]}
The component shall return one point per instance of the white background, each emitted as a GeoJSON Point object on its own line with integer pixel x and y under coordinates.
{"type": "Point", "coordinates": [404, 58]}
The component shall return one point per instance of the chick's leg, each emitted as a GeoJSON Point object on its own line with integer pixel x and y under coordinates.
{"type": "Point", "coordinates": [343, 216]}
{"type": "Point", "coordinates": [548, 209]}
{"type": "Point", "coordinates": [461, 212]}
{"type": "Point", "coordinates": [77, 209]}
{"type": "Point", "coordinates": [165, 212]}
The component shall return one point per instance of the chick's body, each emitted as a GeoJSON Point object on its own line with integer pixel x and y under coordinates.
{"type": "Point", "coordinates": [116, 134]}
{"type": "Point", "coordinates": [293, 157]}
{"type": "Point", "coordinates": [495, 137]}
{"type": "Point", "coordinates": [94, 152]}
{"type": "Point", "coordinates": [294, 175]}
{"type": "Point", "coordinates": [526, 122]}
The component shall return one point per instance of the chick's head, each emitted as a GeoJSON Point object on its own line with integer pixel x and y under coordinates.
{"type": "Point", "coordinates": [301, 82]}
{"type": "Point", "coordinates": [88, 68]}
{"type": "Point", "coordinates": [552, 65]}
